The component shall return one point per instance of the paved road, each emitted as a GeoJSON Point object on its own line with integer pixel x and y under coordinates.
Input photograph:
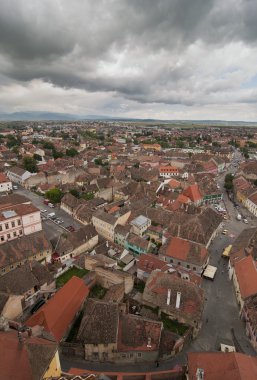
{"type": "Point", "coordinates": [52, 229]}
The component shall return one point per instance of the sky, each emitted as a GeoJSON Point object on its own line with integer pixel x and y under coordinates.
{"type": "Point", "coordinates": [163, 59]}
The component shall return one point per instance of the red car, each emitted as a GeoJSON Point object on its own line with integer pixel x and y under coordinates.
{"type": "Point", "coordinates": [46, 201]}
{"type": "Point", "coordinates": [70, 228]}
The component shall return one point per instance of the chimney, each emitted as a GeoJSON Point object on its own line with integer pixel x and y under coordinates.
{"type": "Point", "coordinates": [199, 374]}
{"type": "Point", "coordinates": [168, 296]}
{"type": "Point", "coordinates": [178, 300]}
{"type": "Point", "coordinates": [20, 337]}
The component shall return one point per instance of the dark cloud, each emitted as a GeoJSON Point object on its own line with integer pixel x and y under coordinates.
{"type": "Point", "coordinates": [148, 51]}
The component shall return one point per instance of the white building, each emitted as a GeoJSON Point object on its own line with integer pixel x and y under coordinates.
{"type": "Point", "coordinates": [18, 175]}
{"type": "Point", "coordinates": [140, 225]}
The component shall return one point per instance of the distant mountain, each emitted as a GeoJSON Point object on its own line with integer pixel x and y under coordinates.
{"type": "Point", "coordinates": [54, 116]}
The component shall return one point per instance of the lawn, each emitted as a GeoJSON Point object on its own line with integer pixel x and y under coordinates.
{"type": "Point", "coordinates": [173, 325]}
{"type": "Point", "coordinates": [65, 277]}
{"type": "Point", "coordinates": [139, 285]}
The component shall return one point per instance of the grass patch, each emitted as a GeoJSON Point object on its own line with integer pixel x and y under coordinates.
{"type": "Point", "coordinates": [139, 285]}
{"type": "Point", "coordinates": [173, 325]}
{"type": "Point", "coordinates": [97, 292]}
{"type": "Point", "coordinates": [65, 277]}
{"type": "Point", "coordinates": [75, 328]}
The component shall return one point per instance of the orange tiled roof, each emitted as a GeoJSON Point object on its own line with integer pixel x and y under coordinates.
{"type": "Point", "coordinates": [193, 192]}
{"type": "Point", "coordinates": [220, 365]}
{"type": "Point", "coordinates": [57, 314]}
{"type": "Point", "coordinates": [246, 274]}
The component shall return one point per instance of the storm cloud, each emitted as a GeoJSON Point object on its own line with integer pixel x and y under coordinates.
{"type": "Point", "coordinates": [143, 58]}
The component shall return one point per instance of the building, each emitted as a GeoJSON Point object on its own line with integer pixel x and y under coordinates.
{"type": "Point", "coordinates": [27, 248]}
{"type": "Point", "coordinates": [147, 264]}
{"type": "Point", "coordinates": [26, 357]}
{"type": "Point", "coordinates": [177, 298]}
{"type": "Point", "coordinates": [19, 220]}
{"type": "Point", "coordinates": [168, 171]}
{"type": "Point", "coordinates": [121, 234]}
{"type": "Point", "coordinates": [251, 203]}
{"type": "Point", "coordinates": [186, 253]}
{"type": "Point", "coordinates": [58, 314]}
{"type": "Point", "coordinates": [5, 184]}
{"type": "Point", "coordinates": [74, 243]}
{"type": "Point", "coordinates": [18, 175]}
{"type": "Point", "coordinates": [140, 224]}
{"type": "Point", "coordinates": [105, 223]}
{"type": "Point", "coordinates": [109, 277]}
{"type": "Point", "coordinates": [249, 316]}
{"type": "Point", "coordinates": [137, 244]}
{"type": "Point", "coordinates": [98, 330]}
{"type": "Point", "coordinates": [221, 365]}
{"type": "Point", "coordinates": [23, 285]}
{"type": "Point", "coordinates": [138, 339]}
{"type": "Point", "coordinates": [245, 279]}
{"type": "Point", "coordinates": [69, 203]}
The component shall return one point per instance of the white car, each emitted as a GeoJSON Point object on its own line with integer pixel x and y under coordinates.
{"type": "Point", "coordinates": [43, 211]}
{"type": "Point", "coordinates": [245, 221]}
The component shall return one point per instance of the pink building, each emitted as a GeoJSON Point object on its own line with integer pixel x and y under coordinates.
{"type": "Point", "coordinates": [19, 220]}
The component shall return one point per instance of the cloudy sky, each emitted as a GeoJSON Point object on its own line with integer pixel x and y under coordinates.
{"type": "Point", "coordinates": [167, 59]}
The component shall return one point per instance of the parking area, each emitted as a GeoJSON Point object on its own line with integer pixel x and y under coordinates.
{"type": "Point", "coordinates": [51, 225]}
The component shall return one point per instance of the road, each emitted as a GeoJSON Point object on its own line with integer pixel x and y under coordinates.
{"type": "Point", "coordinates": [52, 229]}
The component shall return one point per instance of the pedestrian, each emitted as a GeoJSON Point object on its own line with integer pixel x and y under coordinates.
{"type": "Point", "coordinates": [157, 363]}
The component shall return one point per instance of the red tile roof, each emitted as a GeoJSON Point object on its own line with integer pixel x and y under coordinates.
{"type": "Point", "coordinates": [219, 365]}
{"type": "Point", "coordinates": [148, 263]}
{"type": "Point", "coordinates": [185, 250]}
{"type": "Point", "coordinates": [58, 313]}
{"type": "Point", "coordinates": [27, 360]}
{"type": "Point", "coordinates": [246, 274]}
{"type": "Point", "coordinates": [3, 178]}
{"type": "Point", "coordinates": [193, 192]}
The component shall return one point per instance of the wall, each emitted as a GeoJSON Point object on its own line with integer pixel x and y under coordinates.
{"type": "Point", "coordinates": [91, 243]}
{"type": "Point", "coordinates": [54, 369]}
{"type": "Point", "coordinates": [100, 352]}
{"type": "Point", "coordinates": [31, 223]}
{"type": "Point", "coordinates": [13, 307]}
{"type": "Point", "coordinates": [5, 187]}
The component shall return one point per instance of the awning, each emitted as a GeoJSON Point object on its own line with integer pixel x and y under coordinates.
{"type": "Point", "coordinates": [210, 272]}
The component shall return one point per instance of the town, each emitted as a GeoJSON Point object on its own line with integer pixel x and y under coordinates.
{"type": "Point", "coordinates": [128, 249]}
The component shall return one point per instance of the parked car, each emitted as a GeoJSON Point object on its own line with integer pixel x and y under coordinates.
{"type": "Point", "coordinates": [224, 232]}
{"type": "Point", "coordinates": [245, 221]}
{"type": "Point", "coordinates": [70, 228]}
{"type": "Point", "coordinates": [37, 305]}
{"type": "Point", "coordinates": [43, 211]}
{"type": "Point", "coordinates": [15, 187]}
{"type": "Point", "coordinates": [51, 205]}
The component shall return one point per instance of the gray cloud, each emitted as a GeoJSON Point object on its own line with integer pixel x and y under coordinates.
{"type": "Point", "coordinates": [184, 52]}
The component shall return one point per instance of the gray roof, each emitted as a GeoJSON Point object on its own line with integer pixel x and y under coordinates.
{"type": "Point", "coordinates": [100, 323]}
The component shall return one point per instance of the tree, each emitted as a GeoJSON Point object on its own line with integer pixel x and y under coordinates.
{"type": "Point", "coordinates": [75, 193]}
{"type": "Point", "coordinates": [54, 195]}
{"type": "Point", "coordinates": [30, 164]}
{"type": "Point", "coordinates": [37, 157]}
{"type": "Point", "coordinates": [72, 152]}
{"type": "Point", "coordinates": [98, 161]}
{"type": "Point", "coordinates": [88, 196]}
{"type": "Point", "coordinates": [229, 182]}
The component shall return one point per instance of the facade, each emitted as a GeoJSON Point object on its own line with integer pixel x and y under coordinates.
{"type": "Point", "coordinates": [18, 175]}
{"type": "Point", "coordinates": [186, 254]}
{"type": "Point", "coordinates": [105, 223]}
{"type": "Point", "coordinates": [168, 171]}
{"type": "Point", "coordinates": [137, 244]}
{"type": "Point", "coordinates": [5, 184]}
{"type": "Point", "coordinates": [109, 277]}
{"type": "Point", "coordinates": [251, 203]}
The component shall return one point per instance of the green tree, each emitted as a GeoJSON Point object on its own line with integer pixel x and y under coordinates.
{"type": "Point", "coordinates": [54, 195]}
{"type": "Point", "coordinates": [75, 193]}
{"type": "Point", "coordinates": [72, 152]}
{"type": "Point", "coordinates": [228, 184]}
{"type": "Point", "coordinates": [30, 164]}
{"type": "Point", "coordinates": [37, 157]}
{"type": "Point", "coordinates": [87, 196]}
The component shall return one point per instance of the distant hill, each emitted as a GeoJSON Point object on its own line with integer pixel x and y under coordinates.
{"type": "Point", "coordinates": [54, 116]}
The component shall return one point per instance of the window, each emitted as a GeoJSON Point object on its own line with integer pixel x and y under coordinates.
{"type": "Point", "coordinates": [19, 222]}
{"type": "Point", "coordinates": [194, 268]}
{"type": "Point", "coordinates": [179, 262]}
{"type": "Point", "coordinates": [1, 228]}
{"type": "Point", "coordinates": [8, 236]}
{"type": "Point", "coordinates": [13, 224]}
{"type": "Point", "coordinates": [3, 270]}
{"type": "Point", "coordinates": [188, 266]}
{"type": "Point", "coordinates": [20, 232]}
{"type": "Point", "coordinates": [14, 234]}
{"type": "Point", "coordinates": [139, 354]}
{"type": "Point", "coordinates": [6, 226]}
{"type": "Point", "coordinates": [2, 238]}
